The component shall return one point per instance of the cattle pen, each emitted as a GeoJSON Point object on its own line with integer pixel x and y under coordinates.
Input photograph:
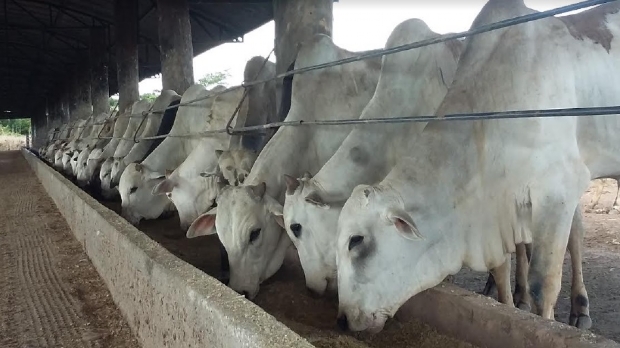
{"type": "Point", "coordinates": [160, 289]}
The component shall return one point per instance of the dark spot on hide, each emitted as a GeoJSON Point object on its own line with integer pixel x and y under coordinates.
{"type": "Point", "coordinates": [358, 156]}
{"type": "Point", "coordinates": [592, 24]}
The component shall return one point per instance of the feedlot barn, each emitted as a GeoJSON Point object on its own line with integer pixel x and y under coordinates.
{"type": "Point", "coordinates": [83, 263]}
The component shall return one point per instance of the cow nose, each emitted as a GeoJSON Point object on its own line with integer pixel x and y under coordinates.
{"type": "Point", "coordinates": [241, 178]}
{"type": "Point", "coordinates": [343, 323]}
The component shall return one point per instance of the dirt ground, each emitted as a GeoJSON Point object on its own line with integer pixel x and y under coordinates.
{"type": "Point", "coordinates": [11, 142]}
{"type": "Point", "coordinates": [285, 297]}
{"type": "Point", "coordinates": [601, 268]}
{"type": "Point", "coordinates": [50, 293]}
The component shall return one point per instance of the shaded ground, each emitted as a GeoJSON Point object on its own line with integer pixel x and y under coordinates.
{"type": "Point", "coordinates": [50, 294]}
{"type": "Point", "coordinates": [601, 270]}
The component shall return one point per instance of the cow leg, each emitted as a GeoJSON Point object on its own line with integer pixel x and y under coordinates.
{"type": "Point", "coordinates": [580, 312]}
{"type": "Point", "coordinates": [224, 266]}
{"type": "Point", "coordinates": [501, 274]}
{"type": "Point", "coordinates": [489, 286]}
{"type": "Point", "coordinates": [550, 239]}
{"type": "Point", "coordinates": [616, 206]}
{"type": "Point", "coordinates": [522, 298]}
{"type": "Point", "coordinates": [598, 191]}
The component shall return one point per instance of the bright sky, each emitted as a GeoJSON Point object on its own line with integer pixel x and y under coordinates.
{"type": "Point", "coordinates": [358, 25]}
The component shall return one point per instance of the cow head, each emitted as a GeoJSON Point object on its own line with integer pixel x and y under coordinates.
{"type": "Point", "coordinates": [108, 190]}
{"type": "Point", "coordinates": [136, 187]}
{"type": "Point", "coordinates": [74, 162]}
{"type": "Point", "coordinates": [235, 165]}
{"type": "Point", "coordinates": [312, 224]}
{"type": "Point", "coordinates": [82, 164]}
{"type": "Point", "coordinates": [375, 235]}
{"type": "Point", "coordinates": [118, 166]}
{"type": "Point", "coordinates": [93, 163]}
{"type": "Point", "coordinates": [249, 223]}
{"type": "Point", "coordinates": [191, 196]}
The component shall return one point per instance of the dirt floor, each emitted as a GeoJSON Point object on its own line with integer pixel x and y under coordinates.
{"type": "Point", "coordinates": [11, 142]}
{"type": "Point", "coordinates": [601, 268]}
{"type": "Point", "coordinates": [50, 294]}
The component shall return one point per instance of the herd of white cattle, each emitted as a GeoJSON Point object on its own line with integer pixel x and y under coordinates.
{"type": "Point", "coordinates": [381, 212]}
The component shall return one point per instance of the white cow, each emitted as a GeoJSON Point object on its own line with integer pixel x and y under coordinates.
{"type": "Point", "coordinates": [101, 126]}
{"type": "Point", "coordinates": [412, 83]}
{"type": "Point", "coordinates": [236, 162]}
{"type": "Point", "coordinates": [475, 189]}
{"type": "Point", "coordinates": [202, 159]}
{"type": "Point", "coordinates": [99, 139]}
{"type": "Point", "coordinates": [99, 155]}
{"type": "Point", "coordinates": [124, 146]}
{"type": "Point", "coordinates": [249, 222]}
{"type": "Point", "coordinates": [137, 181]}
{"type": "Point", "coordinates": [62, 156]}
{"type": "Point", "coordinates": [153, 126]}
{"type": "Point", "coordinates": [261, 101]}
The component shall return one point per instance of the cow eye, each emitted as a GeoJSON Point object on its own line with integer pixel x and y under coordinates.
{"type": "Point", "coordinates": [296, 229]}
{"type": "Point", "coordinates": [355, 241]}
{"type": "Point", "coordinates": [254, 235]}
{"type": "Point", "coordinates": [133, 190]}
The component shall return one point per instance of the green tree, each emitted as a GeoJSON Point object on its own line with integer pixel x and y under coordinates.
{"type": "Point", "coordinates": [113, 101]}
{"type": "Point", "coordinates": [210, 80]}
{"type": "Point", "coordinates": [151, 96]}
{"type": "Point", "coordinates": [15, 126]}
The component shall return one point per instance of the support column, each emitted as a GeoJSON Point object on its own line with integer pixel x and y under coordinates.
{"type": "Point", "coordinates": [82, 105]}
{"type": "Point", "coordinates": [175, 44]}
{"type": "Point", "coordinates": [126, 30]}
{"type": "Point", "coordinates": [295, 22]}
{"type": "Point", "coordinates": [99, 87]}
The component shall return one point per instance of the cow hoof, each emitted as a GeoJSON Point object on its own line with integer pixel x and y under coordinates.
{"type": "Point", "coordinates": [524, 307]}
{"type": "Point", "coordinates": [583, 321]}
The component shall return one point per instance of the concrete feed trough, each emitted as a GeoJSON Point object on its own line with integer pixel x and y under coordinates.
{"type": "Point", "coordinates": [170, 303]}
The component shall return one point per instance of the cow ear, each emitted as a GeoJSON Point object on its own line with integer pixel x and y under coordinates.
{"type": "Point", "coordinates": [276, 209]}
{"type": "Point", "coordinates": [404, 224]}
{"type": "Point", "coordinates": [291, 184]}
{"type": "Point", "coordinates": [218, 153]}
{"type": "Point", "coordinates": [167, 185]}
{"type": "Point", "coordinates": [259, 190]}
{"type": "Point", "coordinates": [204, 225]}
{"type": "Point", "coordinates": [139, 167]}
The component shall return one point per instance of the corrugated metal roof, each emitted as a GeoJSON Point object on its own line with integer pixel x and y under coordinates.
{"type": "Point", "coordinates": [41, 41]}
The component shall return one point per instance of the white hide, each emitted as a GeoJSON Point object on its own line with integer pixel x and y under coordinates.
{"type": "Point", "coordinates": [139, 151]}
{"type": "Point", "coordinates": [136, 186]}
{"type": "Point", "coordinates": [108, 185]}
{"type": "Point", "coordinates": [474, 189]}
{"type": "Point", "coordinates": [246, 223]}
{"type": "Point", "coordinates": [412, 83]}
{"type": "Point", "coordinates": [202, 159]}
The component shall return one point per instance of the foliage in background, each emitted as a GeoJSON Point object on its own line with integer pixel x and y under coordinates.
{"type": "Point", "coordinates": [15, 126]}
{"type": "Point", "coordinates": [210, 80]}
